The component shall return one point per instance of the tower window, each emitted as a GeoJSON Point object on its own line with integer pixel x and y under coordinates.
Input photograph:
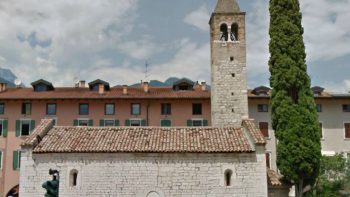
{"type": "Point", "coordinates": [228, 176]}
{"type": "Point", "coordinates": [232, 58]}
{"type": "Point", "coordinates": [233, 74]}
{"type": "Point", "coordinates": [223, 32]}
{"type": "Point", "coordinates": [234, 32]}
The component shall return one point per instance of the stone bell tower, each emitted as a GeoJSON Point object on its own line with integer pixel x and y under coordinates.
{"type": "Point", "coordinates": [229, 100]}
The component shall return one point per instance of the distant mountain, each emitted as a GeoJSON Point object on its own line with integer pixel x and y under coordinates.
{"type": "Point", "coordinates": [7, 76]}
{"type": "Point", "coordinates": [155, 83]}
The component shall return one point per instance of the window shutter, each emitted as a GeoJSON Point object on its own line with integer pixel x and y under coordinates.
{"type": "Point", "coordinates": [205, 123]}
{"type": "Point", "coordinates": [189, 123]}
{"type": "Point", "coordinates": [165, 123]}
{"type": "Point", "coordinates": [91, 123]}
{"type": "Point", "coordinates": [116, 123]}
{"type": "Point", "coordinates": [162, 123]}
{"type": "Point", "coordinates": [15, 160]}
{"type": "Point", "coordinates": [32, 125]}
{"type": "Point", "coordinates": [75, 122]}
{"type": "Point", "coordinates": [4, 128]}
{"type": "Point", "coordinates": [264, 128]}
{"type": "Point", "coordinates": [18, 128]}
{"type": "Point", "coordinates": [143, 123]}
{"type": "Point", "coordinates": [102, 123]}
{"type": "Point", "coordinates": [127, 123]}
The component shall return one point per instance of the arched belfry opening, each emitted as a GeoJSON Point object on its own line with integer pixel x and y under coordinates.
{"type": "Point", "coordinates": [223, 32]}
{"type": "Point", "coordinates": [234, 32]}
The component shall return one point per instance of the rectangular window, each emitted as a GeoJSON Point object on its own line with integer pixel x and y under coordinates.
{"type": "Point", "coordinates": [165, 123]}
{"type": "Point", "coordinates": [83, 123]}
{"type": "Point", "coordinates": [197, 109]}
{"type": "Point", "coordinates": [16, 159]}
{"type": "Point", "coordinates": [135, 123]}
{"type": "Point", "coordinates": [166, 109]}
{"type": "Point", "coordinates": [135, 109]}
{"type": "Point", "coordinates": [109, 109]}
{"type": "Point", "coordinates": [268, 161]}
{"type": "Point", "coordinates": [264, 128]}
{"type": "Point", "coordinates": [109, 123]}
{"type": "Point", "coordinates": [2, 108]}
{"type": "Point", "coordinates": [51, 109]}
{"type": "Point", "coordinates": [318, 107]}
{"type": "Point", "coordinates": [25, 127]}
{"type": "Point", "coordinates": [263, 108]}
{"type": "Point", "coordinates": [347, 130]}
{"type": "Point", "coordinates": [26, 108]}
{"type": "Point", "coordinates": [321, 128]}
{"type": "Point", "coordinates": [197, 123]}
{"type": "Point", "coordinates": [84, 109]}
{"type": "Point", "coordinates": [346, 108]}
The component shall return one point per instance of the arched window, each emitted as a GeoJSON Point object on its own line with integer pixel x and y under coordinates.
{"type": "Point", "coordinates": [228, 176]}
{"type": "Point", "coordinates": [73, 178]}
{"type": "Point", "coordinates": [223, 32]}
{"type": "Point", "coordinates": [234, 32]}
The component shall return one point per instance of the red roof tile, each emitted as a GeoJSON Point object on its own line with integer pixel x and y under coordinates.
{"type": "Point", "coordinates": [114, 93]}
{"type": "Point", "coordinates": [254, 132]}
{"type": "Point", "coordinates": [140, 139]}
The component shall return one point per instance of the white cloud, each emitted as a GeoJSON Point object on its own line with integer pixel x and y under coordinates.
{"type": "Point", "coordinates": [342, 87]}
{"type": "Point", "coordinates": [74, 33]}
{"type": "Point", "coordinates": [199, 18]}
{"type": "Point", "coordinates": [141, 49]}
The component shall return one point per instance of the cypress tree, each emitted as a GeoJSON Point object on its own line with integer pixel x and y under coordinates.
{"type": "Point", "coordinates": [294, 116]}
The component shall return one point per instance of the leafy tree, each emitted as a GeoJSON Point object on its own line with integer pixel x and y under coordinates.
{"type": "Point", "coordinates": [294, 114]}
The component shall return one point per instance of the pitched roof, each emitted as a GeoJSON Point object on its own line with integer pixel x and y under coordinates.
{"type": "Point", "coordinates": [99, 81]}
{"type": "Point", "coordinates": [227, 6]}
{"type": "Point", "coordinates": [42, 81]}
{"type": "Point", "coordinates": [138, 140]}
{"type": "Point", "coordinates": [274, 179]}
{"type": "Point", "coordinates": [114, 93]}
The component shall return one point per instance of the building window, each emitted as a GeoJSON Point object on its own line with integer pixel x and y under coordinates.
{"type": "Point", "coordinates": [84, 109]}
{"type": "Point", "coordinates": [1, 127]}
{"type": "Point", "coordinates": [135, 123]}
{"type": "Point", "coordinates": [234, 32]}
{"type": "Point", "coordinates": [321, 130]}
{"type": "Point", "coordinates": [228, 177]}
{"type": "Point", "coordinates": [346, 108]}
{"type": "Point", "coordinates": [51, 109]}
{"type": "Point", "coordinates": [268, 161]}
{"type": "Point", "coordinates": [109, 109]}
{"type": "Point", "coordinates": [223, 32]}
{"type": "Point", "coordinates": [135, 109]}
{"type": "Point", "coordinates": [165, 123]}
{"type": "Point", "coordinates": [26, 108]}
{"type": "Point", "coordinates": [197, 109]}
{"type": "Point", "coordinates": [263, 108]}
{"type": "Point", "coordinates": [73, 179]}
{"type": "Point", "coordinates": [2, 108]}
{"type": "Point", "coordinates": [16, 160]}
{"type": "Point", "coordinates": [318, 107]}
{"type": "Point", "coordinates": [109, 123]}
{"type": "Point", "coordinates": [25, 127]}
{"type": "Point", "coordinates": [197, 123]}
{"type": "Point", "coordinates": [264, 128]}
{"type": "Point", "coordinates": [83, 123]}
{"type": "Point", "coordinates": [347, 130]}
{"type": "Point", "coordinates": [166, 109]}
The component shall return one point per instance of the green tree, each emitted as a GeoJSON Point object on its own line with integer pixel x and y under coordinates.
{"type": "Point", "coordinates": [294, 114]}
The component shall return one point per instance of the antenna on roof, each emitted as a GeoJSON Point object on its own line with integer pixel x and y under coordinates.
{"type": "Point", "coordinates": [18, 82]}
{"type": "Point", "coordinates": [146, 70]}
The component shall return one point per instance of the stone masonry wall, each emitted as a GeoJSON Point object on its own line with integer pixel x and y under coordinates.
{"type": "Point", "coordinates": [146, 174]}
{"type": "Point", "coordinates": [229, 100]}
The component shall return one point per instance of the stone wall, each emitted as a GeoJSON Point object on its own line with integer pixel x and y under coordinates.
{"type": "Point", "coordinates": [146, 174]}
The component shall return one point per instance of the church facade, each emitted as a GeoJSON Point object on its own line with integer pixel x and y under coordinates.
{"type": "Point", "coordinates": [227, 159]}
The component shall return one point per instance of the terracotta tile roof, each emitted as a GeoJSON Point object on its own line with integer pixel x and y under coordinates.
{"type": "Point", "coordinates": [114, 93]}
{"type": "Point", "coordinates": [254, 132]}
{"type": "Point", "coordinates": [140, 139]}
{"type": "Point", "coordinates": [275, 179]}
{"type": "Point", "coordinates": [39, 132]}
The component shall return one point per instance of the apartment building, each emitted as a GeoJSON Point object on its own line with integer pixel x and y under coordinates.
{"type": "Point", "coordinates": [184, 104]}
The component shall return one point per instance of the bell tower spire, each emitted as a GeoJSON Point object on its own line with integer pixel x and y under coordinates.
{"type": "Point", "coordinates": [229, 99]}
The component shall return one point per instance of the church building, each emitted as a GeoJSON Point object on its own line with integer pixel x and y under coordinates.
{"type": "Point", "coordinates": [225, 159]}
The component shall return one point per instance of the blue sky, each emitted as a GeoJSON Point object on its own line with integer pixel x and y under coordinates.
{"type": "Point", "coordinates": [64, 41]}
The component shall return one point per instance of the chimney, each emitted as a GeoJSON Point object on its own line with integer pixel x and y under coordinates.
{"type": "Point", "coordinates": [3, 87]}
{"type": "Point", "coordinates": [204, 86]}
{"type": "Point", "coordinates": [101, 89]}
{"type": "Point", "coordinates": [145, 86]}
{"type": "Point", "coordinates": [125, 89]}
{"type": "Point", "coordinates": [80, 84]}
